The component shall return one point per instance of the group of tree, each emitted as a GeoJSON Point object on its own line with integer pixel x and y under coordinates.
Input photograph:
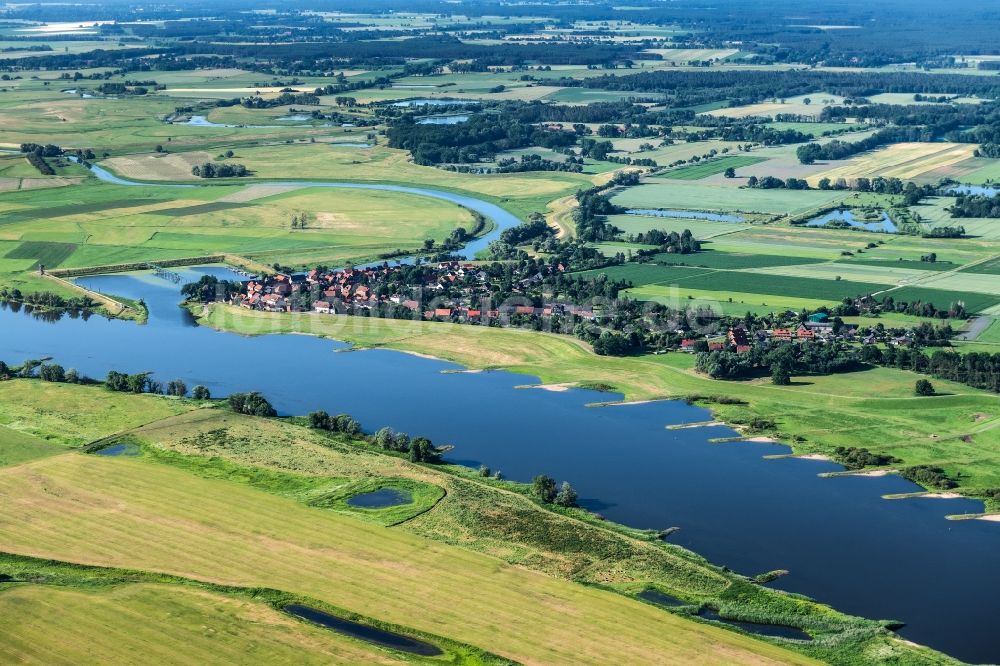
{"type": "Point", "coordinates": [220, 170]}
{"type": "Point", "coordinates": [670, 242]}
{"type": "Point", "coordinates": [209, 288]}
{"type": "Point", "coordinates": [975, 205]}
{"type": "Point", "coordinates": [781, 361]}
{"type": "Point", "coordinates": [544, 489]}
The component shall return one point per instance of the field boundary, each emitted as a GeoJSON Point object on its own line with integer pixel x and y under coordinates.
{"type": "Point", "coordinates": [106, 301]}
{"type": "Point", "coordinates": [137, 266]}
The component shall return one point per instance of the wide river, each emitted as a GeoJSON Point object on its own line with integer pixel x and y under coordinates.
{"type": "Point", "coordinates": [842, 543]}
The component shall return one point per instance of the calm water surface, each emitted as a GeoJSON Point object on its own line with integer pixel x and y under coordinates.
{"type": "Point", "coordinates": [842, 543]}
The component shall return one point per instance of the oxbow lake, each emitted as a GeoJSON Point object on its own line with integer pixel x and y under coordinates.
{"type": "Point", "coordinates": [843, 544]}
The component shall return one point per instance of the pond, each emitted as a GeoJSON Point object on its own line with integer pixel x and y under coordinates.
{"type": "Point", "coordinates": [757, 627]}
{"type": "Point", "coordinates": [434, 102]}
{"type": "Point", "coordinates": [982, 190]}
{"type": "Point", "coordinates": [118, 450]}
{"type": "Point", "coordinates": [202, 121]}
{"type": "Point", "coordinates": [381, 499]}
{"type": "Point", "coordinates": [364, 632]}
{"type": "Point", "coordinates": [443, 120]}
{"type": "Point", "coordinates": [883, 224]}
{"type": "Point", "coordinates": [661, 599]}
{"type": "Point", "coordinates": [842, 543]}
{"type": "Point", "coordinates": [685, 214]}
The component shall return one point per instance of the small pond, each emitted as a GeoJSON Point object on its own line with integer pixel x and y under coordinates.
{"type": "Point", "coordinates": [443, 120]}
{"type": "Point", "coordinates": [685, 214]}
{"type": "Point", "coordinates": [775, 630]}
{"type": "Point", "coordinates": [883, 224]}
{"type": "Point", "coordinates": [434, 102]}
{"type": "Point", "coordinates": [363, 632]}
{"type": "Point", "coordinates": [381, 499]}
{"type": "Point", "coordinates": [661, 599]}
{"type": "Point", "coordinates": [983, 190]}
{"type": "Point", "coordinates": [119, 450]}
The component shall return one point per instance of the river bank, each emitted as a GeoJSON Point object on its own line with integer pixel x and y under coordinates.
{"type": "Point", "coordinates": [723, 497]}
{"type": "Point", "coordinates": [809, 420]}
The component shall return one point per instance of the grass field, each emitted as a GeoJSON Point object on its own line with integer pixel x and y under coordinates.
{"type": "Point", "coordinates": [30, 409]}
{"type": "Point", "coordinates": [729, 260]}
{"type": "Point", "coordinates": [522, 193]}
{"type": "Point", "coordinates": [342, 225]}
{"type": "Point", "coordinates": [792, 105]}
{"type": "Point", "coordinates": [711, 167]}
{"type": "Point", "coordinates": [107, 623]}
{"type": "Point", "coordinates": [663, 193]}
{"type": "Point", "coordinates": [248, 537]}
{"type": "Point", "coordinates": [907, 161]}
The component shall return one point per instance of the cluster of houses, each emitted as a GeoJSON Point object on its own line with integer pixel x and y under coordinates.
{"type": "Point", "coordinates": [348, 290]}
{"type": "Point", "coordinates": [818, 327]}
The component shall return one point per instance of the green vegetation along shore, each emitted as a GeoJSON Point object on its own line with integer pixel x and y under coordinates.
{"type": "Point", "coordinates": [175, 510]}
{"type": "Point", "coordinates": [954, 430]}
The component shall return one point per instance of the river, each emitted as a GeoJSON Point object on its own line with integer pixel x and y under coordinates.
{"type": "Point", "coordinates": [843, 544]}
{"type": "Point", "coordinates": [500, 217]}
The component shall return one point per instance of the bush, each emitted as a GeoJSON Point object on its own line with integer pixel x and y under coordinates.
{"type": "Point", "coordinates": [201, 393]}
{"type": "Point", "coordinates": [923, 387]}
{"type": "Point", "coordinates": [926, 475]}
{"type": "Point", "coordinates": [51, 372]}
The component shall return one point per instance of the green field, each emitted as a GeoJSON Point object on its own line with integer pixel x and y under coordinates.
{"type": "Point", "coordinates": [109, 224]}
{"type": "Point", "coordinates": [103, 624]}
{"type": "Point", "coordinates": [730, 260]}
{"type": "Point", "coordinates": [830, 290]}
{"type": "Point", "coordinates": [711, 167]}
{"type": "Point", "coordinates": [662, 193]}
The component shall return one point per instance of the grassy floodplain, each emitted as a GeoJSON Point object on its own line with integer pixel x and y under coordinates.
{"type": "Point", "coordinates": [341, 560]}
{"type": "Point", "coordinates": [109, 224]}
{"type": "Point", "coordinates": [826, 411]}
{"type": "Point", "coordinates": [204, 472]}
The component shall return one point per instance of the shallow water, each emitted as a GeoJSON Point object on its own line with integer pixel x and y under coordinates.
{"type": "Point", "coordinates": [885, 224]}
{"type": "Point", "coordinates": [381, 499]}
{"type": "Point", "coordinates": [984, 190]}
{"type": "Point", "coordinates": [118, 450]}
{"type": "Point", "coordinates": [758, 628]}
{"type": "Point", "coordinates": [363, 631]}
{"type": "Point", "coordinates": [434, 102]}
{"type": "Point", "coordinates": [841, 542]}
{"type": "Point", "coordinates": [443, 120]}
{"type": "Point", "coordinates": [684, 214]}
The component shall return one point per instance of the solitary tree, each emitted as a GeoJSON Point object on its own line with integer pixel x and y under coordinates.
{"type": "Point", "coordinates": [201, 393]}
{"type": "Point", "coordinates": [566, 495]}
{"type": "Point", "coordinates": [923, 387]}
{"type": "Point", "coordinates": [729, 173]}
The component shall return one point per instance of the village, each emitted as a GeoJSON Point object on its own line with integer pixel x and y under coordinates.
{"type": "Point", "coordinates": [471, 293]}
